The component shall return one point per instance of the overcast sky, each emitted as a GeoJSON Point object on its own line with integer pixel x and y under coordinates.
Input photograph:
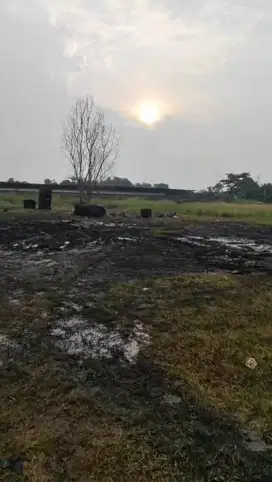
{"type": "Point", "coordinates": [207, 63]}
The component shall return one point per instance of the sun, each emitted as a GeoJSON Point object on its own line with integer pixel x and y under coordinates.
{"type": "Point", "coordinates": [150, 111]}
{"type": "Point", "coordinates": [149, 114]}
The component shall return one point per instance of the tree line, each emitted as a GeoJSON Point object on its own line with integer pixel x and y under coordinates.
{"type": "Point", "coordinates": [242, 186]}
{"type": "Point", "coordinates": [113, 181]}
{"type": "Point", "coordinates": [233, 187]}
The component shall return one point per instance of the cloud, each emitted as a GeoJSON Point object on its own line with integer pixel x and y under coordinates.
{"type": "Point", "coordinates": [135, 46]}
{"type": "Point", "coordinates": [207, 61]}
{"type": "Point", "coordinates": [33, 93]}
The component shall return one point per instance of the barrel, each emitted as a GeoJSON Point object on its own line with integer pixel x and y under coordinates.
{"type": "Point", "coordinates": [45, 198]}
{"type": "Point", "coordinates": [29, 204]}
{"type": "Point", "coordinates": [146, 213]}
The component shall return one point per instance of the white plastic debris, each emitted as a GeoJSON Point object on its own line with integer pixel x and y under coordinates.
{"type": "Point", "coordinates": [251, 363]}
{"type": "Point", "coordinates": [145, 289]}
{"type": "Point", "coordinates": [66, 243]}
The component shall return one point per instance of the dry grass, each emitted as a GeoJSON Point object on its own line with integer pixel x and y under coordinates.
{"type": "Point", "coordinates": [65, 436]}
{"type": "Point", "coordinates": [54, 423]}
{"type": "Point", "coordinates": [256, 213]}
{"type": "Point", "coordinates": [203, 329]}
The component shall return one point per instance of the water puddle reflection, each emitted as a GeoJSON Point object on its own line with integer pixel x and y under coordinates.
{"type": "Point", "coordinates": [228, 242]}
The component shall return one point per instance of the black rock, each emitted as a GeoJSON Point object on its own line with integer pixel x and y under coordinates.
{"type": "Point", "coordinates": [89, 210]}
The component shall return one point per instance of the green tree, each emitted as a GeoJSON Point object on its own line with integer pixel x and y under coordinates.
{"type": "Point", "coordinates": [49, 181]}
{"type": "Point", "coordinates": [161, 185]}
{"type": "Point", "coordinates": [117, 181]}
{"type": "Point", "coordinates": [143, 184]}
{"type": "Point", "coordinates": [240, 186]}
{"type": "Point", "coordinates": [266, 192]}
{"type": "Point", "coordinates": [65, 181]}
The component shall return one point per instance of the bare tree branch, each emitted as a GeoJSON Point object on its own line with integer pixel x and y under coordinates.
{"type": "Point", "coordinates": [90, 144]}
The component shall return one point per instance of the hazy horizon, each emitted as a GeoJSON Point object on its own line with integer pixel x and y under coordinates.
{"type": "Point", "coordinates": [204, 65]}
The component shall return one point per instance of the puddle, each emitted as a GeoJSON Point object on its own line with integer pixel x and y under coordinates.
{"type": "Point", "coordinates": [255, 443]}
{"type": "Point", "coordinates": [126, 238]}
{"type": "Point", "coordinates": [243, 243]}
{"type": "Point", "coordinates": [75, 336]}
{"type": "Point", "coordinates": [193, 240]}
{"type": "Point", "coordinates": [228, 242]}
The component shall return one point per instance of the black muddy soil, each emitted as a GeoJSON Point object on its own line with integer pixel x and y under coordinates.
{"type": "Point", "coordinates": [131, 249]}
{"type": "Point", "coordinates": [70, 264]}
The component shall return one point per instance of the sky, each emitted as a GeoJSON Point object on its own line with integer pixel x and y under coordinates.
{"type": "Point", "coordinates": [206, 66]}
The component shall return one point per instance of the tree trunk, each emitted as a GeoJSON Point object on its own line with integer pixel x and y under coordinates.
{"type": "Point", "coordinates": [89, 191]}
{"type": "Point", "coordinates": [81, 193]}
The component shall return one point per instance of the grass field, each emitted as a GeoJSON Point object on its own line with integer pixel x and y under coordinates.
{"type": "Point", "coordinates": [250, 212]}
{"type": "Point", "coordinates": [203, 328]}
{"type": "Point", "coordinates": [181, 412]}
{"type": "Point", "coordinates": [202, 336]}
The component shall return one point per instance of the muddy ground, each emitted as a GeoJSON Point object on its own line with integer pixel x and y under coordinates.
{"type": "Point", "coordinates": [73, 262]}
{"type": "Point", "coordinates": [127, 249]}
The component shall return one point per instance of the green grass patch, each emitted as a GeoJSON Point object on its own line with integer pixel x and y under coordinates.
{"type": "Point", "coordinates": [257, 213]}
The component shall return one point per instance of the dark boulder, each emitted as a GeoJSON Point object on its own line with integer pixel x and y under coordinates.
{"type": "Point", "coordinates": [89, 210]}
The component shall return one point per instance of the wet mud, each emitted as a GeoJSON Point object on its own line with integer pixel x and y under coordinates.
{"type": "Point", "coordinates": [131, 249]}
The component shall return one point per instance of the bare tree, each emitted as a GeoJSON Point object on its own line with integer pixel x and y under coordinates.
{"type": "Point", "coordinates": [90, 144]}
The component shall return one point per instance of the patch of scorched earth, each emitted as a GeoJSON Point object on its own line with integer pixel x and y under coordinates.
{"type": "Point", "coordinates": [75, 336]}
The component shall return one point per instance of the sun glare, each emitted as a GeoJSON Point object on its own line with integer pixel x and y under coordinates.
{"type": "Point", "coordinates": [148, 113]}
